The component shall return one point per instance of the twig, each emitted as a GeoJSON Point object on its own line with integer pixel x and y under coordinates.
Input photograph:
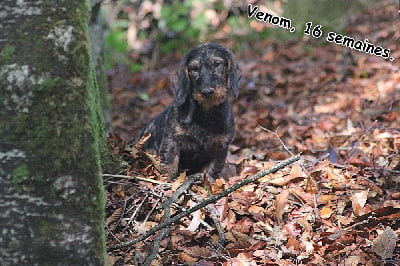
{"type": "Point", "coordinates": [182, 209]}
{"type": "Point", "coordinates": [279, 138]}
{"type": "Point", "coordinates": [214, 217]}
{"type": "Point", "coordinates": [207, 201]}
{"type": "Point", "coordinates": [301, 165]}
{"type": "Point", "coordinates": [167, 215]}
{"type": "Point", "coordinates": [152, 210]}
{"type": "Point", "coordinates": [138, 208]}
{"type": "Point", "coordinates": [139, 178]}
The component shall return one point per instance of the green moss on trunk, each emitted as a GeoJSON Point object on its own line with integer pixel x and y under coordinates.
{"type": "Point", "coordinates": [52, 137]}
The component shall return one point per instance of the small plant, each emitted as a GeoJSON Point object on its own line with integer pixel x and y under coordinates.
{"type": "Point", "coordinates": [115, 47]}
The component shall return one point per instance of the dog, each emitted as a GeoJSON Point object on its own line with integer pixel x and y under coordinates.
{"type": "Point", "coordinates": [194, 132]}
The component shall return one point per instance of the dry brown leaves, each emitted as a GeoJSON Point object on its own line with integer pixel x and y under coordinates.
{"type": "Point", "coordinates": [339, 206]}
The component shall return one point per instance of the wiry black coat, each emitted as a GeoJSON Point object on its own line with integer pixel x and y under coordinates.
{"type": "Point", "coordinates": [194, 132]}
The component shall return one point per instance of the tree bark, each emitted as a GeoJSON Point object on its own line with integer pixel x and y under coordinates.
{"type": "Point", "coordinates": [51, 136]}
{"type": "Point", "coordinates": [96, 33]}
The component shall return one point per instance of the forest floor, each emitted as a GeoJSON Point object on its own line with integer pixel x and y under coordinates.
{"type": "Point", "coordinates": [339, 205]}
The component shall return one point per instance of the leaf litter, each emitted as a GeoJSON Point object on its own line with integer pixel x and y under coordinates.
{"type": "Point", "coordinates": [339, 206]}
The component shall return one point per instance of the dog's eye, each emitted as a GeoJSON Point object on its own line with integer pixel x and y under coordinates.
{"type": "Point", "coordinates": [217, 63]}
{"type": "Point", "coordinates": [193, 68]}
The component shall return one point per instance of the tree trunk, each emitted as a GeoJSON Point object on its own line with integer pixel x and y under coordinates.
{"type": "Point", "coordinates": [96, 33]}
{"type": "Point", "coordinates": [51, 136]}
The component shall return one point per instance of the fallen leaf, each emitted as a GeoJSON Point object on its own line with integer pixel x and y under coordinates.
{"type": "Point", "coordinates": [195, 222]}
{"type": "Point", "coordinates": [385, 243]}
{"type": "Point", "coordinates": [242, 237]}
{"type": "Point", "coordinates": [219, 186]}
{"type": "Point", "coordinates": [395, 195]}
{"type": "Point", "coordinates": [281, 202]}
{"type": "Point", "coordinates": [326, 212]}
{"type": "Point", "coordinates": [115, 216]}
{"type": "Point", "coordinates": [179, 181]}
{"type": "Point", "coordinates": [354, 260]}
{"type": "Point", "coordinates": [323, 199]}
{"type": "Point", "coordinates": [297, 171]}
{"type": "Point", "coordinates": [358, 201]}
{"type": "Point", "coordinates": [279, 181]}
{"type": "Point", "coordinates": [187, 258]}
{"type": "Point", "coordinates": [326, 125]}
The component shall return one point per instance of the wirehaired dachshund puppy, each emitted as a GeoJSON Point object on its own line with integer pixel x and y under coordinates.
{"type": "Point", "coordinates": [193, 133]}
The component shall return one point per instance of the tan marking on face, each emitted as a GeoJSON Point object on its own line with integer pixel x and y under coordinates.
{"type": "Point", "coordinates": [216, 99]}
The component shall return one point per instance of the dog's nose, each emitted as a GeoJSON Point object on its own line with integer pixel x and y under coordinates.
{"type": "Point", "coordinates": [207, 91]}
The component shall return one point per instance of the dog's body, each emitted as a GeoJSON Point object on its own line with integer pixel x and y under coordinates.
{"type": "Point", "coordinates": [194, 132]}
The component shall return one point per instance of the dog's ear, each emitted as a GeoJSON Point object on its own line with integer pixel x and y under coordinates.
{"type": "Point", "coordinates": [182, 86]}
{"type": "Point", "coordinates": [234, 74]}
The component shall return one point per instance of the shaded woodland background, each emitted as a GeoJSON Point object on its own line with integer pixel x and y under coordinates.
{"type": "Point", "coordinates": [339, 107]}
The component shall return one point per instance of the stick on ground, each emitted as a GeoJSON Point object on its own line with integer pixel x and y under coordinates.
{"type": "Point", "coordinates": [207, 201]}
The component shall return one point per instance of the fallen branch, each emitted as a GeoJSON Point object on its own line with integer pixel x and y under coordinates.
{"type": "Point", "coordinates": [207, 201]}
{"type": "Point", "coordinates": [167, 215]}
{"type": "Point", "coordinates": [214, 217]}
{"type": "Point", "coordinates": [138, 178]}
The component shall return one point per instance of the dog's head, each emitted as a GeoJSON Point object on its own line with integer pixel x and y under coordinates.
{"type": "Point", "coordinates": [207, 73]}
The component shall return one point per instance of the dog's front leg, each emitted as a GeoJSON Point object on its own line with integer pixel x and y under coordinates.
{"type": "Point", "coordinates": [169, 158]}
{"type": "Point", "coordinates": [215, 167]}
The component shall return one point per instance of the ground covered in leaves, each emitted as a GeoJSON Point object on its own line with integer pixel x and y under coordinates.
{"type": "Point", "coordinates": [339, 205]}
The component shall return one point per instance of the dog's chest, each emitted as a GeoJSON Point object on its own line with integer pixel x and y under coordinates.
{"type": "Point", "coordinates": [198, 148]}
{"type": "Point", "coordinates": [197, 139]}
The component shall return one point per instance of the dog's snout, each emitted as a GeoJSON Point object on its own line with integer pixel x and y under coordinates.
{"type": "Point", "coordinates": [207, 91]}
